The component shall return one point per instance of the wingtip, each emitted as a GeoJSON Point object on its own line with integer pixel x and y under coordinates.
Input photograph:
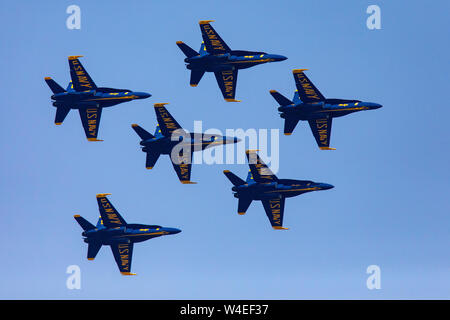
{"type": "Point", "coordinates": [58, 123]}
{"type": "Point", "coordinates": [251, 150]}
{"type": "Point", "coordinates": [298, 70]}
{"type": "Point", "coordinates": [180, 42]}
{"type": "Point", "coordinates": [148, 168]}
{"type": "Point", "coordinates": [74, 57]}
{"type": "Point", "coordinates": [232, 100]}
{"type": "Point", "coordinates": [48, 78]}
{"type": "Point", "coordinates": [287, 133]}
{"type": "Point", "coordinates": [134, 125]}
{"type": "Point", "coordinates": [76, 216]}
{"type": "Point", "coordinates": [94, 139]}
{"type": "Point", "coordinates": [205, 21]}
{"type": "Point", "coordinates": [162, 104]}
{"type": "Point", "coordinates": [102, 195]}
{"type": "Point", "coordinates": [280, 228]}
{"type": "Point", "coordinates": [241, 213]}
{"type": "Point", "coordinates": [90, 259]}
{"type": "Point", "coordinates": [273, 91]}
{"type": "Point", "coordinates": [188, 182]}
{"type": "Point", "coordinates": [327, 148]}
{"type": "Point", "coordinates": [193, 85]}
{"type": "Point", "coordinates": [226, 171]}
{"type": "Point", "coordinates": [128, 274]}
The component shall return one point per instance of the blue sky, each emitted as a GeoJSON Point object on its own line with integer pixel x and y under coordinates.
{"type": "Point", "coordinates": [390, 205]}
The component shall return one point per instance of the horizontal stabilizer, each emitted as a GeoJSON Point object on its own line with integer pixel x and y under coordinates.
{"type": "Point", "coordinates": [235, 180]}
{"type": "Point", "coordinates": [93, 249]}
{"type": "Point", "coordinates": [61, 113]}
{"type": "Point", "coordinates": [86, 225]}
{"type": "Point", "coordinates": [243, 204]}
{"type": "Point", "coordinates": [56, 88]}
{"type": "Point", "coordinates": [188, 51]}
{"type": "Point", "coordinates": [282, 100]}
{"type": "Point", "coordinates": [196, 76]}
{"type": "Point", "coordinates": [289, 125]}
{"type": "Point", "coordinates": [151, 158]}
{"type": "Point", "coordinates": [142, 133]}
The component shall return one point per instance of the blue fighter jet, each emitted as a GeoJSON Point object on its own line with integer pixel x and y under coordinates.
{"type": "Point", "coordinates": [215, 56]}
{"type": "Point", "coordinates": [171, 139]}
{"type": "Point", "coordinates": [310, 105]}
{"type": "Point", "coordinates": [112, 230]}
{"type": "Point", "coordinates": [263, 185]}
{"type": "Point", "coordinates": [82, 94]}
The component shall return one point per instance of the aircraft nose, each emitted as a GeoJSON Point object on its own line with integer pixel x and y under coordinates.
{"type": "Point", "coordinates": [278, 57]}
{"type": "Point", "coordinates": [174, 230]}
{"type": "Point", "coordinates": [373, 105]}
{"type": "Point", "coordinates": [142, 95]}
{"type": "Point", "coordinates": [326, 186]}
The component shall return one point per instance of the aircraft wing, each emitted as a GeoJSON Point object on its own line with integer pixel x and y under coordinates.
{"type": "Point", "coordinates": [260, 171]}
{"type": "Point", "coordinates": [167, 123]}
{"type": "Point", "coordinates": [90, 118]}
{"type": "Point", "coordinates": [110, 217]}
{"type": "Point", "coordinates": [227, 80]}
{"type": "Point", "coordinates": [306, 89]}
{"type": "Point", "coordinates": [213, 42]}
{"type": "Point", "coordinates": [274, 210]}
{"type": "Point", "coordinates": [183, 166]}
{"type": "Point", "coordinates": [321, 129]}
{"type": "Point", "coordinates": [81, 80]}
{"type": "Point", "coordinates": [123, 253]}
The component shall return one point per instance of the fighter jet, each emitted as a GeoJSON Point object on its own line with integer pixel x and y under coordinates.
{"type": "Point", "coordinates": [171, 139]}
{"type": "Point", "coordinates": [263, 185]}
{"type": "Point", "coordinates": [84, 95]}
{"type": "Point", "coordinates": [310, 105]}
{"type": "Point", "coordinates": [215, 56]}
{"type": "Point", "coordinates": [112, 230]}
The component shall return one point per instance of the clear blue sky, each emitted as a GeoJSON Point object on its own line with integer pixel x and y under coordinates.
{"type": "Point", "coordinates": [390, 205]}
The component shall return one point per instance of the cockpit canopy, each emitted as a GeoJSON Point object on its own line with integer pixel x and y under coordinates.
{"type": "Point", "coordinates": [109, 90]}
{"type": "Point", "coordinates": [246, 53]}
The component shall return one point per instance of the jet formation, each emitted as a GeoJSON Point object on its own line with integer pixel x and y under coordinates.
{"type": "Point", "coordinates": [215, 56]}
{"type": "Point", "coordinates": [261, 184]}
{"type": "Point", "coordinates": [112, 230]}
{"type": "Point", "coordinates": [310, 105]}
{"type": "Point", "coordinates": [171, 139]}
{"type": "Point", "coordinates": [83, 95]}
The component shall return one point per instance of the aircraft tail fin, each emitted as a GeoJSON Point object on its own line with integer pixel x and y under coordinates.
{"type": "Point", "coordinates": [86, 225]}
{"type": "Point", "coordinates": [282, 100]}
{"type": "Point", "coordinates": [203, 49]}
{"type": "Point", "coordinates": [249, 177]}
{"type": "Point", "coordinates": [235, 180]}
{"type": "Point", "coordinates": [296, 99]}
{"type": "Point", "coordinates": [188, 51]}
{"type": "Point", "coordinates": [142, 133]}
{"type": "Point", "coordinates": [70, 87]}
{"type": "Point", "coordinates": [158, 132]}
{"type": "Point", "coordinates": [55, 87]}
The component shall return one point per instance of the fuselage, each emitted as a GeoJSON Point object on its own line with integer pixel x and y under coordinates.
{"type": "Point", "coordinates": [76, 100]}
{"type": "Point", "coordinates": [281, 188]}
{"type": "Point", "coordinates": [130, 233]}
{"type": "Point", "coordinates": [236, 59]}
{"type": "Point", "coordinates": [195, 141]}
{"type": "Point", "coordinates": [329, 108]}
